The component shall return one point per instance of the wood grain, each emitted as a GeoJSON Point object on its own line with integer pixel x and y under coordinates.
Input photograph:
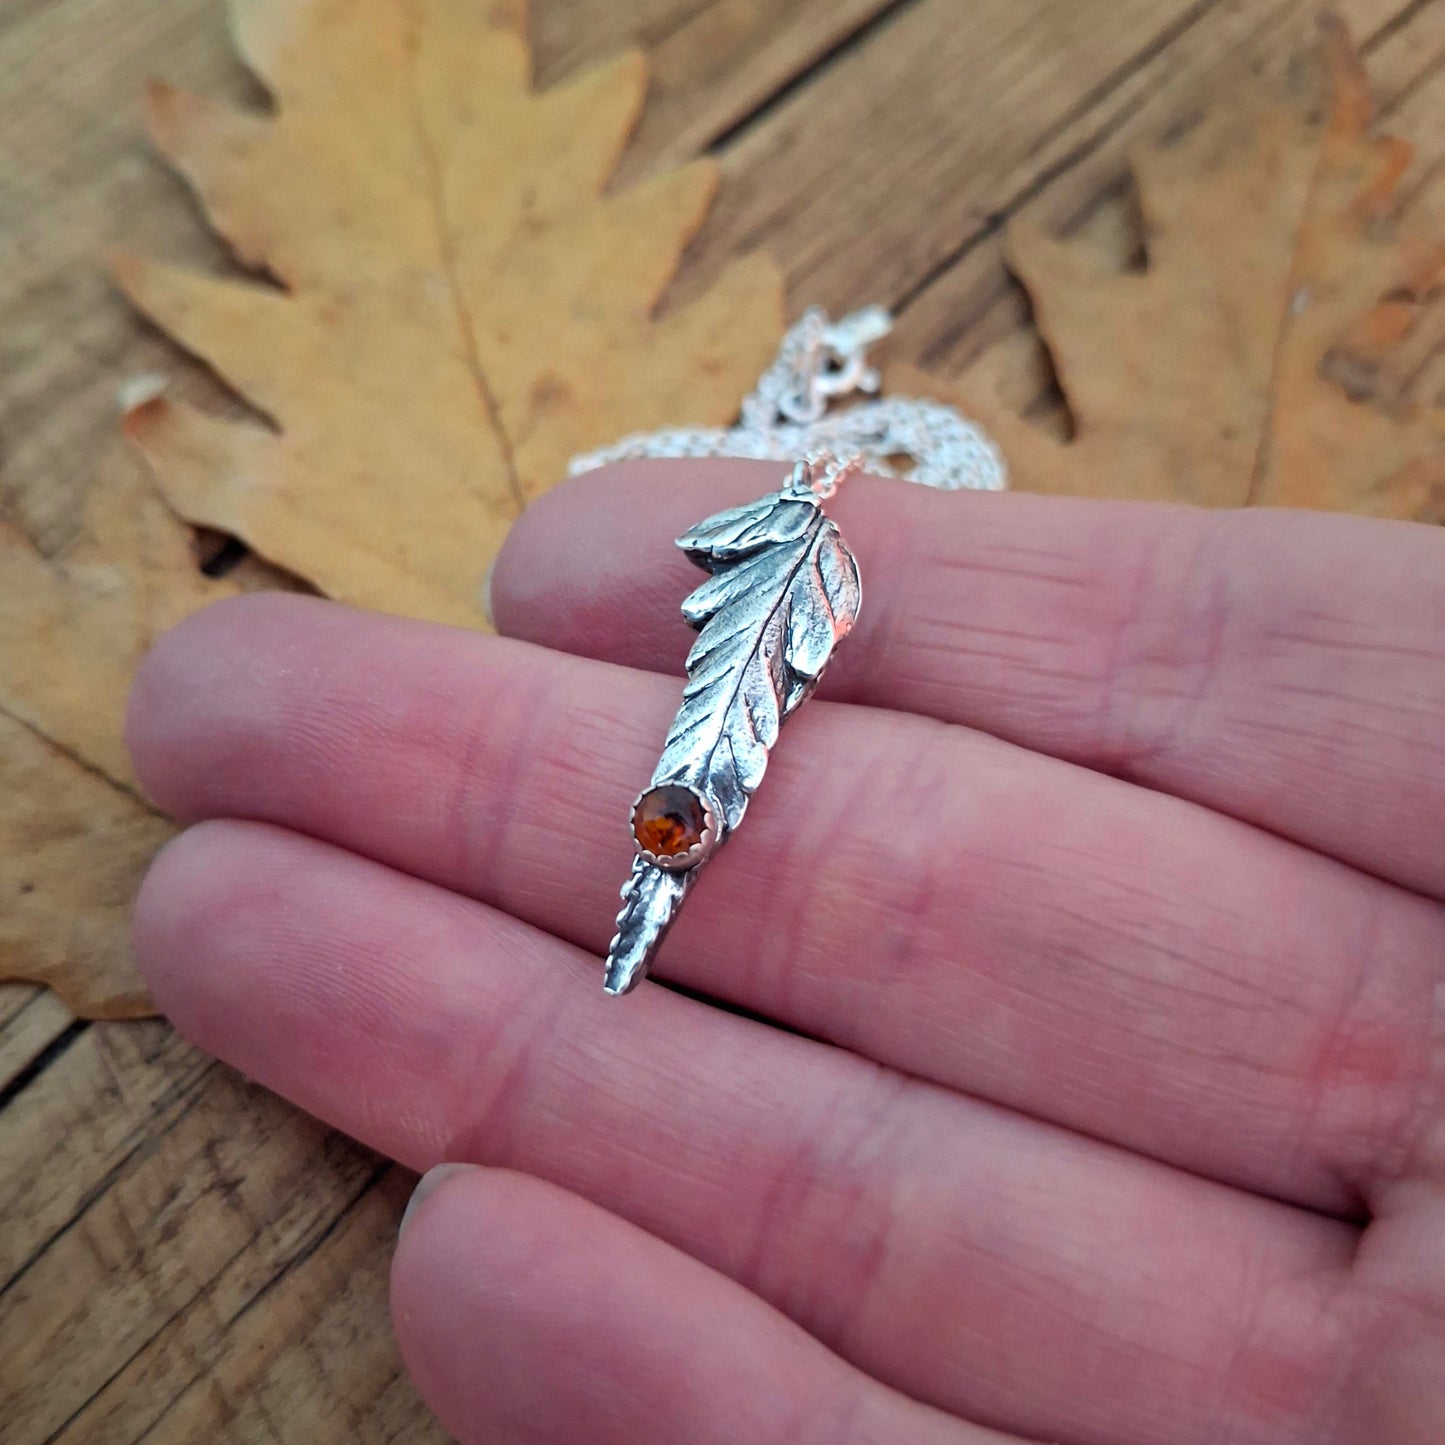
{"type": "Point", "coordinates": [182, 1256]}
{"type": "Point", "coordinates": [971, 316]}
{"type": "Point", "coordinates": [31, 1021]}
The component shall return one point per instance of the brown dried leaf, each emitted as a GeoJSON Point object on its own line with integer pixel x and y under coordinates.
{"type": "Point", "coordinates": [73, 848]}
{"type": "Point", "coordinates": [75, 834]}
{"type": "Point", "coordinates": [464, 307]}
{"type": "Point", "coordinates": [1249, 362]}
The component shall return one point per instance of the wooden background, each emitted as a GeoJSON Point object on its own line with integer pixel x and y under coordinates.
{"type": "Point", "coordinates": [181, 1255]}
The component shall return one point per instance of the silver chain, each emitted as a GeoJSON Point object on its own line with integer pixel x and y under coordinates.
{"type": "Point", "coordinates": [787, 417]}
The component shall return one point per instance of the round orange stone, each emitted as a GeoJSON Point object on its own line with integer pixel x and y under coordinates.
{"type": "Point", "coordinates": [668, 820]}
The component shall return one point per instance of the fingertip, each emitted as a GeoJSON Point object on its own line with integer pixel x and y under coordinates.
{"type": "Point", "coordinates": [466, 1235]}
{"type": "Point", "coordinates": [547, 565]}
{"type": "Point", "coordinates": [599, 547]}
{"type": "Point", "coordinates": [163, 683]}
{"type": "Point", "coordinates": [428, 1185]}
{"type": "Point", "coordinates": [178, 916]}
{"type": "Point", "coordinates": [171, 695]}
{"type": "Point", "coordinates": [526, 1312]}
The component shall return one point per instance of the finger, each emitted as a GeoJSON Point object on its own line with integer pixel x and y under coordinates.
{"type": "Point", "coordinates": [979, 1262]}
{"type": "Point", "coordinates": [527, 1315]}
{"type": "Point", "coordinates": [995, 920]}
{"type": "Point", "coordinates": [1288, 668]}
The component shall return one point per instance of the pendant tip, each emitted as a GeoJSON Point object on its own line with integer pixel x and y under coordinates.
{"type": "Point", "coordinates": [621, 977]}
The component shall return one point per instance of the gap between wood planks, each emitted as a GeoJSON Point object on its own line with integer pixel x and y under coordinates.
{"type": "Point", "coordinates": [47, 1055]}
{"type": "Point", "coordinates": [1111, 125]}
{"type": "Point", "coordinates": [846, 43]}
{"type": "Point", "coordinates": [184, 1091]}
{"type": "Point", "coordinates": [971, 297]}
{"type": "Point", "coordinates": [382, 1170]}
{"type": "Point", "coordinates": [1093, 100]}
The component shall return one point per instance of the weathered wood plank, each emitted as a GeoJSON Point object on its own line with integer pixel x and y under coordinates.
{"type": "Point", "coordinates": [31, 1020]}
{"type": "Point", "coordinates": [76, 179]}
{"type": "Point", "coordinates": [868, 177]}
{"type": "Point", "coordinates": [65, 1136]}
{"type": "Point", "coordinates": [14, 999]}
{"type": "Point", "coordinates": [730, 59]}
{"type": "Point", "coordinates": [137, 1296]}
{"type": "Point", "coordinates": [317, 1363]}
{"type": "Point", "coordinates": [970, 315]}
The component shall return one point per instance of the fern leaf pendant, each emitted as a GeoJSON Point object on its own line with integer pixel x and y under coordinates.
{"type": "Point", "coordinates": [783, 592]}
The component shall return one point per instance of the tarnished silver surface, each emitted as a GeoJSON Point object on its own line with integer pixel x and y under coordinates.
{"type": "Point", "coordinates": [783, 593]}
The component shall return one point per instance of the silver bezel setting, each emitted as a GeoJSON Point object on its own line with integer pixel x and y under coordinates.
{"type": "Point", "coordinates": [698, 853]}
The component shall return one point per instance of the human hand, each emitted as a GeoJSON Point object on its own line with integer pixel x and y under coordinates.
{"type": "Point", "coordinates": [1098, 907]}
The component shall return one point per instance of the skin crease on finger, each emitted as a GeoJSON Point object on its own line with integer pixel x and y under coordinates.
{"type": "Point", "coordinates": [1346, 1347]}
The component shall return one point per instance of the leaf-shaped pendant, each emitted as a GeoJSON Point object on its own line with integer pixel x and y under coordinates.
{"type": "Point", "coordinates": [783, 593]}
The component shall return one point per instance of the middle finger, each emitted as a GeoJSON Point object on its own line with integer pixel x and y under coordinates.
{"type": "Point", "coordinates": [986, 1264]}
{"type": "Point", "coordinates": [1116, 960]}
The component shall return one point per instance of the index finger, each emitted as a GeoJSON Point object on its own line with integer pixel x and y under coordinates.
{"type": "Point", "coordinates": [1285, 667]}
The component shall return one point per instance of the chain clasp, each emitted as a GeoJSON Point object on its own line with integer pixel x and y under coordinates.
{"type": "Point", "coordinates": [837, 364]}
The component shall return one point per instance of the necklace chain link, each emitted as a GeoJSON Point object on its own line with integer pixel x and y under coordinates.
{"type": "Point", "coordinates": [788, 416]}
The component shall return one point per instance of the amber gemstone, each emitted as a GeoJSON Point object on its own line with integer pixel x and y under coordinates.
{"type": "Point", "coordinates": [668, 820]}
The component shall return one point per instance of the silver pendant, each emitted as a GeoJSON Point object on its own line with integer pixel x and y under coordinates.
{"type": "Point", "coordinates": [783, 593]}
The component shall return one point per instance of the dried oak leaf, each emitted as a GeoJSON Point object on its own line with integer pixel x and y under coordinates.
{"type": "Point", "coordinates": [462, 306]}
{"type": "Point", "coordinates": [1250, 361]}
{"type": "Point", "coordinates": [75, 832]}
{"type": "Point", "coordinates": [463, 309]}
